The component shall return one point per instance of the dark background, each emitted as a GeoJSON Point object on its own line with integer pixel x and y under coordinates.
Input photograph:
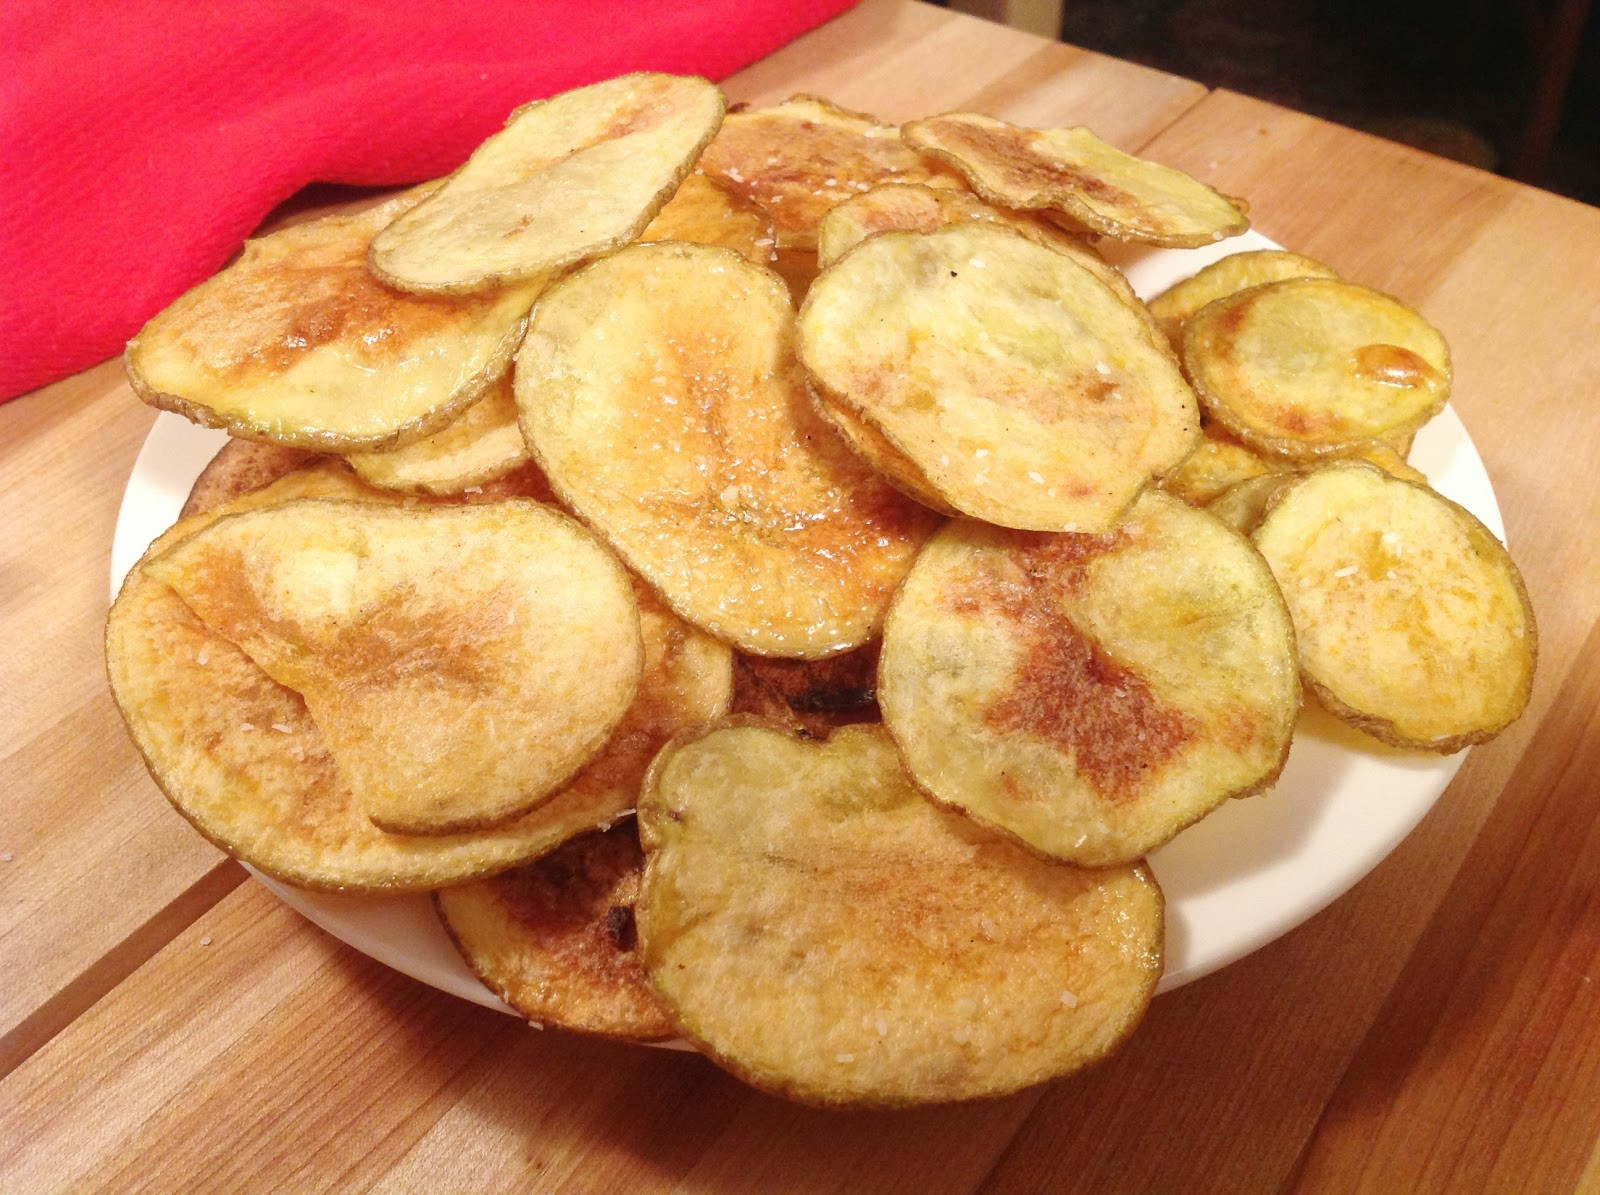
{"type": "Point", "coordinates": [1456, 79]}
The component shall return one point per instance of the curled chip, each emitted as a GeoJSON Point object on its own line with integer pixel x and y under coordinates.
{"type": "Point", "coordinates": [871, 444]}
{"type": "Point", "coordinates": [798, 159]}
{"type": "Point", "coordinates": [660, 392]}
{"type": "Point", "coordinates": [239, 756]}
{"type": "Point", "coordinates": [1022, 388]}
{"type": "Point", "coordinates": [702, 212]}
{"type": "Point", "coordinates": [298, 343]}
{"type": "Point", "coordinates": [1222, 464]}
{"type": "Point", "coordinates": [911, 207]}
{"type": "Point", "coordinates": [1311, 366]}
{"type": "Point", "coordinates": [555, 939]}
{"type": "Point", "coordinates": [461, 663]}
{"type": "Point", "coordinates": [569, 177]}
{"type": "Point", "coordinates": [1412, 621]}
{"type": "Point", "coordinates": [1072, 175]}
{"type": "Point", "coordinates": [481, 444]}
{"type": "Point", "coordinates": [1091, 694]}
{"type": "Point", "coordinates": [824, 933]}
{"type": "Point", "coordinates": [1236, 272]}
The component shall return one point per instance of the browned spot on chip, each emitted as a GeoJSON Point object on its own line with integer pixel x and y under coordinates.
{"type": "Point", "coordinates": [556, 938]}
{"type": "Point", "coordinates": [1067, 689]}
{"type": "Point", "coordinates": [800, 158]}
{"type": "Point", "coordinates": [325, 299]}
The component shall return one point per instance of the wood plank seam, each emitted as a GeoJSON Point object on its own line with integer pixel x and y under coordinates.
{"type": "Point", "coordinates": [110, 969]}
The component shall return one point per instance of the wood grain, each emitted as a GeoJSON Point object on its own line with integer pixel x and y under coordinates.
{"type": "Point", "coordinates": [1495, 1011]}
{"type": "Point", "coordinates": [98, 871]}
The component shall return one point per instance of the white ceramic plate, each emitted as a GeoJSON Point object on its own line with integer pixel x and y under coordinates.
{"type": "Point", "coordinates": [1247, 874]}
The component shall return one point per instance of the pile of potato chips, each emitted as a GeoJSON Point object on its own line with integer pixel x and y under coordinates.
{"type": "Point", "coordinates": [812, 489]}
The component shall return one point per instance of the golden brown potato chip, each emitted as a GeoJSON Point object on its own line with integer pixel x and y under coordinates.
{"type": "Point", "coordinates": [1218, 463]}
{"type": "Point", "coordinates": [799, 158]}
{"type": "Point", "coordinates": [824, 933]}
{"type": "Point", "coordinates": [1221, 464]}
{"type": "Point", "coordinates": [1243, 504]}
{"type": "Point", "coordinates": [481, 444]}
{"type": "Point", "coordinates": [1234, 273]}
{"type": "Point", "coordinates": [912, 207]}
{"type": "Point", "coordinates": [1311, 366]}
{"type": "Point", "coordinates": [461, 663]}
{"type": "Point", "coordinates": [702, 212]}
{"type": "Point", "coordinates": [238, 755]}
{"type": "Point", "coordinates": [568, 177]}
{"type": "Point", "coordinates": [871, 444]}
{"type": "Point", "coordinates": [239, 467]}
{"type": "Point", "coordinates": [1071, 173]}
{"type": "Point", "coordinates": [297, 343]}
{"type": "Point", "coordinates": [1091, 694]}
{"type": "Point", "coordinates": [1412, 621]}
{"type": "Point", "coordinates": [1391, 462]}
{"type": "Point", "coordinates": [812, 696]}
{"type": "Point", "coordinates": [660, 392]}
{"type": "Point", "coordinates": [1023, 389]}
{"type": "Point", "coordinates": [555, 939]}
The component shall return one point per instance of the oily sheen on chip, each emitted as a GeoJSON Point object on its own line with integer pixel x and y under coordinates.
{"type": "Point", "coordinates": [298, 344]}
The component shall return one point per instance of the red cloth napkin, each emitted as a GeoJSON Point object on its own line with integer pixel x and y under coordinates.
{"type": "Point", "coordinates": [144, 140]}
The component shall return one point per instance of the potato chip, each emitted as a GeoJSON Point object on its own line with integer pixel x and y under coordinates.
{"type": "Point", "coordinates": [1311, 366]}
{"type": "Point", "coordinates": [799, 158]}
{"type": "Point", "coordinates": [1071, 174]}
{"type": "Point", "coordinates": [1222, 464]}
{"type": "Point", "coordinates": [815, 697]}
{"type": "Point", "coordinates": [1243, 504]}
{"type": "Point", "coordinates": [1091, 694]}
{"type": "Point", "coordinates": [871, 444]}
{"type": "Point", "coordinates": [1412, 621]}
{"type": "Point", "coordinates": [461, 663]}
{"type": "Point", "coordinates": [912, 207]}
{"type": "Point", "coordinates": [1217, 464]}
{"type": "Point", "coordinates": [569, 177]}
{"type": "Point", "coordinates": [702, 212]}
{"type": "Point", "coordinates": [239, 467]}
{"type": "Point", "coordinates": [239, 756]}
{"type": "Point", "coordinates": [297, 343]}
{"type": "Point", "coordinates": [481, 444]}
{"type": "Point", "coordinates": [555, 939]}
{"type": "Point", "coordinates": [1024, 390]}
{"type": "Point", "coordinates": [1234, 273]}
{"type": "Point", "coordinates": [826, 934]}
{"type": "Point", "coordinates": [659, 391]}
